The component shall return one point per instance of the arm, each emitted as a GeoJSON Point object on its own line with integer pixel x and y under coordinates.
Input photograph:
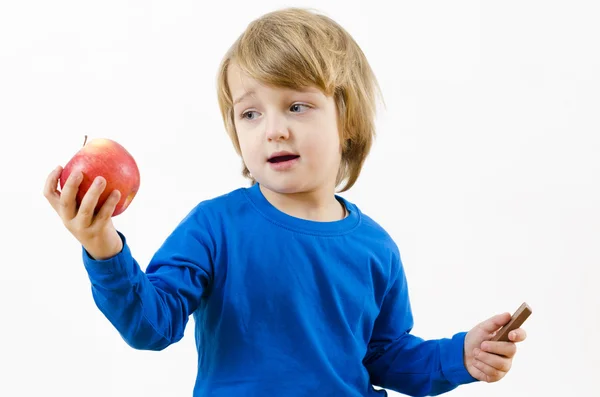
{"type": "Point", "coordinates": [400, 361]}
{"type": "Point", "coordinates": [150, 310]}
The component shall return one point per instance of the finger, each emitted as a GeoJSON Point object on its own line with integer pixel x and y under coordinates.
{"type": "Point", "coordinates": [477, 373]}
{"type": "Point", "coordinates": [500, 363]}
{"type": "Point", "coordinates": [491, 373]}
{"type": "Point", "coordinates": [68, 203]}
{"type": "Point", "coordinates": [108, 208]}
{"type": "Point", "coordinates": [506, 349]}
{"type": "Point", "coordinates": [518, 335]}
{"type": "Point", "coordinates": [50, 192]}
{"type": "Point", "coordinates": [87, 208]}
{"type": "Point", "coordinates": [494, 323]}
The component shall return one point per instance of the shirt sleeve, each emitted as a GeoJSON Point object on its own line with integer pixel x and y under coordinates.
{"type": "Point", "coordinates": [151, 309]}
{"type": "Point", "coordinates": [405, 363]}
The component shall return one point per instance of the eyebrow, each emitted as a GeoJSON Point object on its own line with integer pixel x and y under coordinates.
{"type": "Point", "coordinates": [311, 91]}
{"type": "Point", "coordinates": [244, 96]}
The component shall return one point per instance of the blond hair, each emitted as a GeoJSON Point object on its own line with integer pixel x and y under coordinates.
{"type": "Point", "coordinates": [295, 48]}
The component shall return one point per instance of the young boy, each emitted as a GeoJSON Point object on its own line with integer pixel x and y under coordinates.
{"type": "Point", "coordinates": [294, 291]}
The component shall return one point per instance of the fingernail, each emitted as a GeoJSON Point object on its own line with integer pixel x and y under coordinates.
{"type": "Point", "coordinates": [98, 181]}
{"type": "Point", "coordinates": [477, 351]}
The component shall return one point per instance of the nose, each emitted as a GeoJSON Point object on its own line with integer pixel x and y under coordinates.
{"type": "Point", "coordinates": [276, 128]}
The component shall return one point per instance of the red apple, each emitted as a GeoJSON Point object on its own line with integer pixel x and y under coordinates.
{"type": "Point", "coordinates": [106, 158]}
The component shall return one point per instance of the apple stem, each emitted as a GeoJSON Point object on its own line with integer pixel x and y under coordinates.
{"type": "Point", "coordinates": [85, 140]}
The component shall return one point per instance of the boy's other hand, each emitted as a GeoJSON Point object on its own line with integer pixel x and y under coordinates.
{"type": "Point", "coordinates": [486, 360]}
{"type": "Point", "coordinates": [94, 231]}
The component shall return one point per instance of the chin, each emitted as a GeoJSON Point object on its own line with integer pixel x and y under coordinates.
{"type": "Point", "coordinates": [283, 186]}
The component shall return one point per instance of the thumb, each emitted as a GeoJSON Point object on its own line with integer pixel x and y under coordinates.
{"type": "Point", "coordinates": [494, 323]}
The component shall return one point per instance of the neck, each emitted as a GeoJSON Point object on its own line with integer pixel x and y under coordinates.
{"type": "Point", "coordinates": [319, 205]}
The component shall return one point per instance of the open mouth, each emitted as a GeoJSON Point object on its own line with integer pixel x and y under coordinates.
{"type": "Point", "coordinates": [281, 159]}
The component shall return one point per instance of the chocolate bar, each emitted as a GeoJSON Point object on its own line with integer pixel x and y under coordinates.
{"type": "Point", "coordinates": [517, 319]}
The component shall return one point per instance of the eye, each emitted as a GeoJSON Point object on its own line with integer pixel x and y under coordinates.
{"type": "Point", "coordinates": [297, 107]}
{"type": "Point", "coordinates": [248, 115]}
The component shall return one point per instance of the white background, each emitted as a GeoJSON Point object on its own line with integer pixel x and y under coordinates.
{"type": "Point", "coordinates": [486, 172]}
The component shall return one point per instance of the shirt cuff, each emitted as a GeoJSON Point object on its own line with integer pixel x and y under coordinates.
{"type": "Point", "coordinates": [452, 360]}
{"type": "Point", "coordinates": [101, 271]}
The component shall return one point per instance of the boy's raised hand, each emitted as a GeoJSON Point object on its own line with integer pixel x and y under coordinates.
{"type": "Point", "coordinates": [488, 360]}
{"type": "Point", "coordinates": [95, 232]}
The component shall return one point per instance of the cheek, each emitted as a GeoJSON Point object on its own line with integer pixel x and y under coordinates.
{"type": "Point", "coordinates": [331, 141]}
{"type": "Point", "coordinates": [248, 147]}
{"type": "Point", "coordinates": [324, 147]}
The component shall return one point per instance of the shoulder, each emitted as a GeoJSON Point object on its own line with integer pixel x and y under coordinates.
{"type": "Point", "coordinates": [218, 204]}
{"type": "Point", "coordinates": [211, 211]}
{"type": "Point", "coordinates": [373, 232]}
{"type": "Point", "coordinates": [373, 238]}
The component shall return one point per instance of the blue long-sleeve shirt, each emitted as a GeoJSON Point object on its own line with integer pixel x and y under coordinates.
{"type": "Point", "coordinates": [282, 305]}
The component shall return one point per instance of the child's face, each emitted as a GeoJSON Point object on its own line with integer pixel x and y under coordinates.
{"type": "Point", "coordinates": [302, 124]}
